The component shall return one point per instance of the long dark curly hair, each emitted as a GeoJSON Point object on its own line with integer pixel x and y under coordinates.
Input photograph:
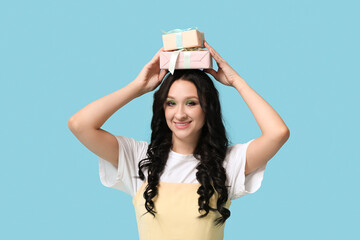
{"type": "Point", "coordinates": [210, 150]}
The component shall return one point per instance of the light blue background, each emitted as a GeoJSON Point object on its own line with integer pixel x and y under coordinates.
{"type": "Point", "coordinates": [56, 57]}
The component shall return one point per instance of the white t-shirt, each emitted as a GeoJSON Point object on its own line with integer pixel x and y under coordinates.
{"type": "Point", "coordinates": [179, 168]}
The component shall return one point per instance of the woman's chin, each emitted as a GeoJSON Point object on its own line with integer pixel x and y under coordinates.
{"type": "Point", "coordinates": [185, 136]}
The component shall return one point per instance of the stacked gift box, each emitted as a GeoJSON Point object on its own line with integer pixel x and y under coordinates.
{"type": "Point", "coordinates": [184, 50]}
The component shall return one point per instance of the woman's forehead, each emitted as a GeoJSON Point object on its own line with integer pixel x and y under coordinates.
{"type": "Point", "coordinates": [182, 96]}
{"type": "Point", "coordinates": [182, 89]}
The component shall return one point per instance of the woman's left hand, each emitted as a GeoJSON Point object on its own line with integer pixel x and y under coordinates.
{"type": "Point", "coordinates": [225, 73]}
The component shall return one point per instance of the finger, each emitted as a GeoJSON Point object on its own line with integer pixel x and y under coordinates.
{"type": "Point", "coordinates": [212, 72]}
{"type": "Point", "coordinates": [216, 56]}
{"type": "Point", "coordinates": [162, 74]}
{"type": "Point", "coordinates": [214, 53]}
{"type": "Point", "coordinates": [206, 44]}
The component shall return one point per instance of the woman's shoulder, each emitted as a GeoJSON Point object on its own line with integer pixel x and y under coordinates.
{"type": "Point", "coordinates": [131, 140]}
{"type": "Point", "coordinates": [236, 153]}
{"type": "Point", "coordinates": [238, 147]}
{"type": "Point", "coordinates": [130, 144]}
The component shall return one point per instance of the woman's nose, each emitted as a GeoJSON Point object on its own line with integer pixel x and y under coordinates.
{"type": "Point", "coordinates": [180, 113]}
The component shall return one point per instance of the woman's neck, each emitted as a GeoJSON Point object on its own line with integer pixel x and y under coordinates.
{"type": "Point", "coordinates": [183, 146]}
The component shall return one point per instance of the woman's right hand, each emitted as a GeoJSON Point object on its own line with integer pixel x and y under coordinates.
{"type": "Point", "coordinates": [150, 76]}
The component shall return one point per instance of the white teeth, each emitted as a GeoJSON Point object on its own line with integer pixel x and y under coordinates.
{"type": "Point", "coordinates": [182, 124]}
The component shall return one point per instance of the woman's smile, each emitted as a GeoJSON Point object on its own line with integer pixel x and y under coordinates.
{"type": "Point", "coordinates": [182, 125]}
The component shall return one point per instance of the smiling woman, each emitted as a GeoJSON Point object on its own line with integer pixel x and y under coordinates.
{"type": "Point", "coordinates": [184, 116]}
{"type": "Point", "coordinates": [184, 180]}
{"type": "Point", "coordinates": [187, 121]}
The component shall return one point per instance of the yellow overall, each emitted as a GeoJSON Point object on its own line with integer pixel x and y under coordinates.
{"type": "Point", "coordinates": [176, 219]}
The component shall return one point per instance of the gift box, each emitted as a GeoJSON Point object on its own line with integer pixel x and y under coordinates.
{"type": "Point", "coordinates": [183, 39]}
{"type": "Point", "coordinates": [185, 60]}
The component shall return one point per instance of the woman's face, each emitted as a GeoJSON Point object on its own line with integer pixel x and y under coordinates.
{"type": "Point", "coordinates": [183, 112]}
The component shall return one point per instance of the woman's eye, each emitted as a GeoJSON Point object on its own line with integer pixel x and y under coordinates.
{"type": "Point", "coordinates": [191, 103]}
{"type": "Point", "coordinates": [170, 103]}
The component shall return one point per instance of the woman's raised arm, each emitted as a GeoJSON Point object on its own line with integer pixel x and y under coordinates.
{"type": "Point", "coordinates": [95, 114]}
{"type": "Point", "coordinates": [86, 123]}
{"type": "Point", "coordinates": [274, 131]}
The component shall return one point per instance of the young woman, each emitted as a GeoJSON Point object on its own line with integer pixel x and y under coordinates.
{"type": "Point", "coordinates": [184, 180]}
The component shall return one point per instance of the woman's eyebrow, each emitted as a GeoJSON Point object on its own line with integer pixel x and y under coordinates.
{"type": "Point", "coordinates": [186, 97]}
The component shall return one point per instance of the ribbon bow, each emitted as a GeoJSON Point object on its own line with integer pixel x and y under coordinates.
{"type": "Point", "coordinates": [179, 30]}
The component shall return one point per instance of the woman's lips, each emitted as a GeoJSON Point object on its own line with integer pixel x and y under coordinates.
{"type": "Point", "coordinates": [182, 125]}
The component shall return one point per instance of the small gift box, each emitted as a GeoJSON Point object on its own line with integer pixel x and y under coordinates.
{"type": "Point", "coordinates": [179, 39]}
{"type": "Point", "coordinates": [185, 60]}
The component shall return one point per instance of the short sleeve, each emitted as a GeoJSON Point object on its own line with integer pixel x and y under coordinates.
{"type": "Point", "coordinates": [241, 185]}
{"type": "Point", "coordinates": [124, 177]}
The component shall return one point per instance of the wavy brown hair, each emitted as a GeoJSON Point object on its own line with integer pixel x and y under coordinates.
{"type": "Point", "coordinates": [210, 150]}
